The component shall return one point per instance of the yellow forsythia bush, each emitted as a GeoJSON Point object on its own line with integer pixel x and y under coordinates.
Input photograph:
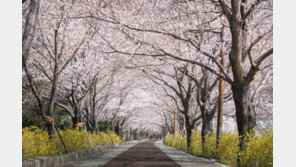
{"type": "Point", "coordinates": [258, 153]}
{"type": "Point", "coordinates": [228, 148]}
{"type": "Point", "coordinates": [210, 145]}
{"type": "Point", "coordinates": [183, 144]}
{"type": "Point", "coordinates": [196, 143]}
{"type": "Point", "coordinates": [176, 141]}
{"type": "Point", "coordinates": [115, 138]}
{"type": "Point", "coordinates": [168, 140]}
{"type": "Point", "coordinates": [122, 140]}
{"type": "Point", "coordinates": [98, 140]}
{"type": "Point", "coordinates": [36, 142]}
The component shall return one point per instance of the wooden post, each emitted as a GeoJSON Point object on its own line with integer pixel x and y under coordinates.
{"type": "Point", "coordinates": [57, 129]}
{"type": "Point", "coordinates": [175, 123]}
{"type": "Point", "coordinates": [43, 126]}
{"type": "Point", "coordinates": [57, 142]}
{"type": "Point", "coordinates": [220, 103]}
{"type": "Point", "coordinates": [88, 136]}
{"type": "Point", "coordinates": [107, 131]}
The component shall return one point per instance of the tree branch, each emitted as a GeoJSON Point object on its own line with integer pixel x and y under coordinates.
{"type": "Point", "coordinates": [254, 69]}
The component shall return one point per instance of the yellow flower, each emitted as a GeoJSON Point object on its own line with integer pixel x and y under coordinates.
{"type": "Point", "coordinates": [258, 152]}
{"type": "Point", "coordinates": [36, 143]}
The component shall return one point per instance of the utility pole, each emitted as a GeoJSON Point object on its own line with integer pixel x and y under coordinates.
{"type": "Point", "coordinates": [221, 88]}
{"type": "Point", "coordinates": [220, 103]}
{"type": "Point", "coordinates": [175, 123]}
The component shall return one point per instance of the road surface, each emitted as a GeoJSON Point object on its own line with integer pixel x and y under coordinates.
{"type": "Point", "coordinates": [147, 154]}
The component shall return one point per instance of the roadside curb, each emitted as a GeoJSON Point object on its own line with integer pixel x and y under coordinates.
{"type": "Point", "coordinates": [214, 161]}
{"type": "Point", "coordinates": [72, 156]}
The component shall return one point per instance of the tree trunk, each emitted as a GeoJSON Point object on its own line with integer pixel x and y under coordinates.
{"type": "Point", "coordinates": [75, 120]}
{"type": "Point", "coordinates": [132, 135]}
{"type": "Point", "coordinates": [181, 125]}
{"type": "Point", "coordinates": [189, 133]}
{"type": "Point", "coordinates": [95, 122]}
{"type": "Point", "coordinates": [127, 136]}
{"type": "Point", "coordinates": [240, 87]}
{"type": "Point", "coordinates": [188, 130]}
{"type": "Point", "coordinates": [50, 130]}
{"type": "Point", "coordinates": [245, 116]}
{"type": "Point", "coordinates": [117, 129]}
{"type": "Point", "coordinates": [106, 126]}
{"type": "Point", "coordinates": [119, 132]}
{"type": "Point", "coordinates": [207, 127]}
{"type": "Point", "coordinates": [113, 127]}
{"type": "Point", "coordinates": [29, 30]}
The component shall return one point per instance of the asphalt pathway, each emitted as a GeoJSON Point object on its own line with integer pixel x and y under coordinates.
{"type": "Point", "coordinates": [143, 154]}
{"type": "Point", "coordinates": [186, 160]}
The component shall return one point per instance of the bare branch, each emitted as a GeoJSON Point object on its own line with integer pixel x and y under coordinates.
{"type": "Point", "coordinates": [225, 10]}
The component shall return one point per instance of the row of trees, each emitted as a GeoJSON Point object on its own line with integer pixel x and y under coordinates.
{"type": "Point", "coordinates": [135, 64]}
{"type": "Point", "coordinates": [66, 70]}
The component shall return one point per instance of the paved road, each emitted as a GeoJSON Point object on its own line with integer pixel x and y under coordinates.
{"type": "Point", "coordinates": [146, 154]}
{"type": "Point", "coordinates": [184, 159]}
{"type": "Point", "coordinates": [143, 154]}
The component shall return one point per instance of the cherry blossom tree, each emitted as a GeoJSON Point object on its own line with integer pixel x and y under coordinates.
{"type": "Point", "coordinates": [151, 36]}
{"type": "Point", "coordinates": [51, 53]}
{"type": "Point", "coordinates": [134, 64]}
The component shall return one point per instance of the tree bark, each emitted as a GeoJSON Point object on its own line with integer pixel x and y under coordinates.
{"type": "Point", "coordinates": [207, 126]}
{"type": "Point", "coordinates": [127, 136]}
{"type": "Point", "coordinates": [113, 127]}
{"type": "Point", "coordinates": [76, 120]}
{"type": "Point", "coordinates": [245, 115]}
{"type": "Point", "coordinates": [29, 31]}
{"type": "Point", "coordinates": [189, 127]}
{"type": "Point", "coordinates": [50, 130]}
{"type": "Point", "coordinates": [240, 87]}
{"type": "Point", "coordinates": [117, 129]}
{"type": "Point", "coordinates": [95, 122]}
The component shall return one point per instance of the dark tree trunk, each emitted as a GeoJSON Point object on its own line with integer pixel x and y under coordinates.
{"type": "Point", "coordinates": [245, 116]}
{"type": "Point", "coordinates": [106, 127]}
{"type": "Point", "coordinates": [117, 129]}
{"type": "Point", "coordinates": [75, 120]}
{"type": "Point", "coordinates": [50, 130]}
{"type": "Point", "coordinates": [135, 136]}
{"type": "Point", "coordinates": [188, 130]}
{"type": "Point", "coordinates": [207, 126]}
{"type": "Point", "coordinates": [119, 132]}
{"type": "Point", "coordinates": [189, 133]}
